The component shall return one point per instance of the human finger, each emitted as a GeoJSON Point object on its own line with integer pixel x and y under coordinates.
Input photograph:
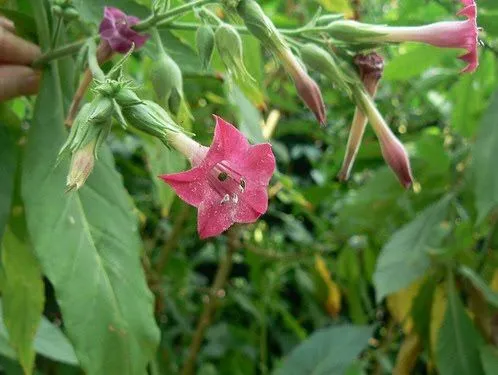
{"type": "Point", "coordinates": [17, 80]}
{"type": "Point", "coordinates": [14, 50]}
{"type": "Point", "coordinates": [7, 24]}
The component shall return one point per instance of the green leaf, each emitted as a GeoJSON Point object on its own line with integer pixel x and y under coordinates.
{"type": "Point", "coordinates": [490, 295]}
{"type": "Point", "coordinates": [486, 177]}
{"type": "Point", "coordinates": [413, 61]}
{"type": "Point", "coordinates": [89, 247]}
{"type": "Point", "coordinates": [421, 307]}
{"type": "Point", "coordinates": [162, 160]}
{"type": "Point", "coordinates": [8, 162]}
{"type": "Point", "coordinates": [457, 351]}
{"type": "Point", "coordinates": [404, 257]}
{"type": "Point", "coordinates": [22, 291]}
{"type": "Point", "coordinates": [249, 118]}
{"type": "Point", "coordinates": [49, 342]}
{"type": "Point", "coordinates": [489, 358]}
{"type": "Point", "coordinates": [328, 351]}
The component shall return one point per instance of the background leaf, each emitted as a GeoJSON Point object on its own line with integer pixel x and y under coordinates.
{"type": "Point", "coordinates": [327, 352]}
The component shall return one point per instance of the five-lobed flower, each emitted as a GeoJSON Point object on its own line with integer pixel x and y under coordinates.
{"type": "Point", "coordinates": [229, 180]}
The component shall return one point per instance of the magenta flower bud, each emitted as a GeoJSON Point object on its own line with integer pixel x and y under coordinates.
{"type": "Point", "coordinates": [228, 182]}
{"type": "Point", "coordinates": [392, 149]}
{"type": "Point", "coordinates": [448, 34]}
{"type": "Point", "coordinates": [116, 29]}
{"type": "Point", "coordinates": [306, 87]}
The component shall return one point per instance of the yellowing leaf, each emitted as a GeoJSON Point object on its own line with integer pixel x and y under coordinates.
{"type": "Point", "coordinates": [438, 310]}
{"type": "Point", "coordinates": [407, 355]}
{"type": "Point", "coordinates": [400, 305]}
{"type": "Point", "coordinates": [333, 301]}
{"type": "Point", "coordinates": [337, 6]}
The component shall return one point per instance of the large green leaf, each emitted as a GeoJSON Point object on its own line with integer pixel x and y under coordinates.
{"type": "Point", "coordinates": [486, 176]}
{"type": "Point", "coordinates": [457, 351]}
{"type": "Point", "coordinates": [22, 290]}
{"type": "Point", "coordinates": [327, 352]}
{"type": "Point", "coordinates": [49, 342]}
{"type": "Point", "coordinates": [88, 245]}
{"type": "Point", "coordinates": [404, 257]}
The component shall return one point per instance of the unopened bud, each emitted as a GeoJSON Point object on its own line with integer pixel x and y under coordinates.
{"type": "Point", "coordinates": [328, 18]}
{"type": "Point", "coordinates": [126, 97]}
{"type": "Point", "coordinates": [82, 163]}
{"type": "Point", "coordinates": [204, 40]}
{"type": "Point", "coordinates": [392, 149]}
{"type": "Point", "coordinates": [70, 14]}
{"type": "Point", "coordinates": [263, 28]}
{"type": "Point", "coordinates": [229, 46]}
{"type": "Point", "coordinates": [150, 118]}
{"type": "Point", "coordinates": [167, 82]}
{"type": "Point", "coordinates": [321, 61]}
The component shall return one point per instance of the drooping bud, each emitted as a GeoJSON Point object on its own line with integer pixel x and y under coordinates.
{"type": "Point", "coordinates": [262, 28]}
{"type": "Point", "coordinates": [392, 149]}
{"type": "Point", "coordinates": [204, 40]}
{"type": "Point", "coordinates": [82, 163]}
{"type": "Point", "coordinates": [371, 67]}
{"type": "Point", "coordinates": [167, 82]}
{"type": "Point", "coordinates": [323, 62]}
{"type": "Point", "coordinates": [91, 128]}
{"type": "Point", "coordinates": [229, 46]}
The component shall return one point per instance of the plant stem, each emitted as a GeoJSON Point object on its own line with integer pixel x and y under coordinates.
{"type": "Point", "coordinates": [154, 20]}
{"type": "Point", "coordinates": [219, 282]}
{"type": "Point", "coordinates": [56, 32]}
{"type": "Point", "coordinates": [63, 51]}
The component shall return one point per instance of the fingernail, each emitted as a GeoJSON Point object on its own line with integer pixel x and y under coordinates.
{"type": "Point", "coordinates": [7, 24]}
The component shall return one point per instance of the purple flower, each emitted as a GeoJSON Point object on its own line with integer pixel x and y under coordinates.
{"type": "Point", "coordinates": [116, 29]}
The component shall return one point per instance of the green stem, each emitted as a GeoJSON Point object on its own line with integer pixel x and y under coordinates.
{"type": "Point", "coordinates": [154, 20]}
{"type": "Point", "coordinates": [63, 51]}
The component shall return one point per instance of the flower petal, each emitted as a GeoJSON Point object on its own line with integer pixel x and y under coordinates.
{"type": "Point", "coordinates": [228, 143]}
{"type": "Point", "coordinates": [214, 217]}
{"type": "Point", "coordinates": [253, 204]}
{"type": "Point", "coordinates": [257, 165]}
{"type": "Point", "coordinates": [191, 185]}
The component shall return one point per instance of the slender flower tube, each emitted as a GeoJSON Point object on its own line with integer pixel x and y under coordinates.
{"type": "Point", "coordinates": [228, 181]}
{"type": "Point", "coordinates": [371, 67]}
{"type": "Point", "coordinates": [262, 28]}
{"type": "Point", "coordinates": [447, 34]}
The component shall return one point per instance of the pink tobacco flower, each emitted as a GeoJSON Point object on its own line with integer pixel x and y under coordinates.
{"type": "Point", "coordinates": [228, 182]}
{"type": "Point", "coordinates": [116, 29]}
{"type": "Point", "coordinates": [448, 34]}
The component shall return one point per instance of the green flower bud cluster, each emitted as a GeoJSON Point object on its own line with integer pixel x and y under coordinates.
{"type": "Point", "coordinates": [65, 9]}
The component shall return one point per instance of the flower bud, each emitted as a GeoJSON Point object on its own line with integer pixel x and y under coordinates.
{"type": "Point", "coordinates": [392, 149]}
{"type": "Point", "coordinates": [321, 61]}
{"type": "Point", "coordinates": [204, 40]}
{"type": "Point", "coordinates": [167, 82]}
{"type": "Point", "coordinates": [328, 18]}
{"type": "Point", "coordinates": [229, 46]}
{"type": "Point", "coordinates": [126, 97]}
{"type": "Point", "coordinates": [150, 118]}
{"type": "Point", "coordinates": [262, 28]}
{"type": "Point", "coordinates": [352, 31]}
{"type": "Point", "coordinates": [82, 164]}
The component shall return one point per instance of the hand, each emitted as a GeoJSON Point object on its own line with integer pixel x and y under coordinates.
{"type": "Point", "coordinates": [16, 55]}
